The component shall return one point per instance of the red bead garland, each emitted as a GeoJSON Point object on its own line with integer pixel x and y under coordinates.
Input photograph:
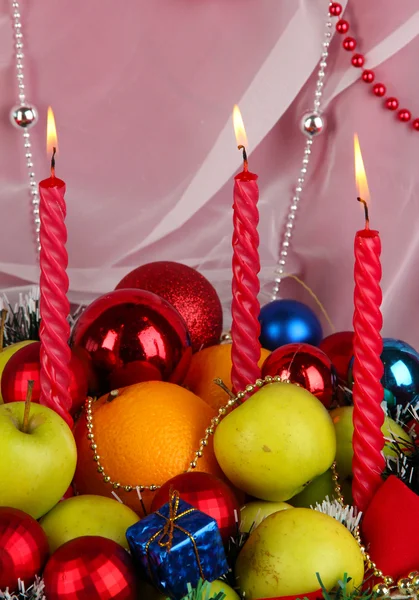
{"type": "Point", "coordinates": [358, 60]}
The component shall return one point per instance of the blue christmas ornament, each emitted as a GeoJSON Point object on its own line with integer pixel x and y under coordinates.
{"type": "Point", "coordinates": [288, 322]}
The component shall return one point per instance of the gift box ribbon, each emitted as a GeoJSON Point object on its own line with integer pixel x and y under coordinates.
{"type": "Point", "coordinates": [165, 534]}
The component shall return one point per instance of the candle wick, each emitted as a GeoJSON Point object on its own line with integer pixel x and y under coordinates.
{"type": "Point", "coordinates": [54, 151]}
{"type": "Point", "coordinates": [245, 164]}
{"type": "Point", "coordinates": [367, 218]}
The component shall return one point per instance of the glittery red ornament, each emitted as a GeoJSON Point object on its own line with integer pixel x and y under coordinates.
{"type": "Point", "coordinates": [23, 548]}
{"type": "Point", "coordinates": [188, 291]}
{"type": "Point", "coordinates": [133, 336]}
{"type": "Point", "coordinates": [339, 348]}
{"type": "Point", "coordinates": [206, 493]}
{"type": "Point", "coordinates": [24, 365]}
{"type": "Point", "coordinates": [90, 568]}
{"type": "Point", "coordinates": [305, 365]}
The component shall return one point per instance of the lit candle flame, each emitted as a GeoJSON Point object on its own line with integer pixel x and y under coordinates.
{"type": "Point", "coordinates": [360, 175]}
{"type": "Point", "coordinates": [239, 129]}
{"type": "Point", "coordinates": [52, 141]}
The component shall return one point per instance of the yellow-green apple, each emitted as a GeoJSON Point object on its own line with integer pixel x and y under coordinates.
{"type": "Point", "coordinates": [276, 442]}
{"type": "Point", "coordinates": [7, 353]}
{"type": "Point", "coordinates": [342, 419]}
{"type": "Point", "coordinates": [218, 586]}
{"type": "Point", "coordinates": [36, 467]}
{"type": "Point", "coordinates": [88, 515]}
{"type": "Point", "coordinates": [283, 555]}
{"type": "Point", "coordinates": [315, 492]}
{"type": "Point", "coordinates": [253, 513]}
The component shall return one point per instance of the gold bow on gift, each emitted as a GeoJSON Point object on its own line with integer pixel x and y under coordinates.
{"type": "Point", "coordinates": [165, 534]}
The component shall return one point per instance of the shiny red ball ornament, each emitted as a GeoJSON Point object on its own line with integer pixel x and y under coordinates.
{"type": "Point", "coordinates": [349, 44]}
{"type": "Point", "coordinates": [358, 60]}
{"type": "Point", "coordinates": [25, 365]}
{"type": "Point", "coordinates": [206, 493]}
{"type": "Point", "coordinates": [342, 26]}
{"type": "Point", "coordinates": [379, 89]}
{"type": "Point", "coordinates": [335, 9]}
{"type": "Point", "coordinates": [132, 336]}
{"type": "Point", "coordinates": [415, 124]}
{"type": "Point", "coordinates": [404, 115]}
{"type": "Point", "coordinates": [391, 103]}
{"type": "Point", "coordinates": [23, 548]}
{"type": "Point", "coordinates": [368, 76]}
{"type": "Point", "coordinates": [306, 366]}
{"type": "Point", "coordinates": [90, 568]}
{"type": "Point", "coordinates": [339, 348]}
{"type": "Point", "coordinates": [188, 291]}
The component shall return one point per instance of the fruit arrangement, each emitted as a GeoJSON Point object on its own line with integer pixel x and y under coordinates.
{"type": "Point", "coordinates": [169, 479]}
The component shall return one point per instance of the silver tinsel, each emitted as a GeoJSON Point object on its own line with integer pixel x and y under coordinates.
{"type": "Point", "coordinates": [34, 592]}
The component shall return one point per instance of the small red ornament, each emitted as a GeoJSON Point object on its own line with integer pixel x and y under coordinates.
{"type": "Point", "coordinates": [358, 60]}
{"type": "Point", "coordinates": [379, 89]}
{"type": "Point", "coordinates": [404, 115]}
{"type": "Point", "coordinates": [339, 348]}
{"type": "Point", "coordinates": [24, 365]}
{"type": "Point", "coordinates": [188, 291]}
{"type": "Point", "coordinates": [90, 568]}
{"type": "Point", "coordinates": [415, 124]}
{"type": "Point", "coordinates": [391, 103]}
{"type": "Point", "coordinates": [305, 365]}
{"type": "Point", "coordinates": [342, 26]}
{"type": "Point", "coordinates": [349, 44]}
{"type": "Point", "coordinates": [368, 76]}
{"type": "Point", "coordinates": [206, 493]}
{"type": "Point", "coordinates": [133, 336]}
{"type": "Point", "coordinates": [23, 548]}
{"type": "Point", "coordinates": [335, 9]}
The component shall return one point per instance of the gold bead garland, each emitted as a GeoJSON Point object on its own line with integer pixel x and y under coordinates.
{"type": "Point", "coordinates": [202, 443]}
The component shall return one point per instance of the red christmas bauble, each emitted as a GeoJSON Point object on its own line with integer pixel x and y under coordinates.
{"type": "Point", "coordinates": [90, 568]}
{"type": "Point", "coordinates": [206, 493]}
{"type": "Point", "coordinates": [188, 291]}
{"type": "Point", "coordinates": [24, 365]}
{"type": "Point", "coordinates": [305, 365]}
{"type": "Point", "coordinates": [23, 548]}
{"type": "Point", "coordinates": [339, 348]}
{"type": "Point", "coordinates": [132, 336]}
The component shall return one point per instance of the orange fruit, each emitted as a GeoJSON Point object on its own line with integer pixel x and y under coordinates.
{"type": "Point", "coordinates": [146, 435]}
{"type": "Point", "coordinates": [208, 364]}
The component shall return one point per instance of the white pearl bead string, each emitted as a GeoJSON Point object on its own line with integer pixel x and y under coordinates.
{"type": "Point", "coordinates": [24, 116]}
{"type": "Point", "coordinates": [312, 124]}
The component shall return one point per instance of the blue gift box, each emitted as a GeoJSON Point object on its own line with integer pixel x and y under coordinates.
{"type": "Point", "coordinates": [175, 546]}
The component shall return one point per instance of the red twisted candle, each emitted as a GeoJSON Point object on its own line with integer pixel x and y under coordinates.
{"type": "Point", "coordinates": [368, 416]}
{"type": "Point", "coordinates": [54, 305]}
{"type": "Point", "coordinates": [245, 308]}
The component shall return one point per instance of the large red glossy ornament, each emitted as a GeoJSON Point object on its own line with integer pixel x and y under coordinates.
{"type": "Point", "coordinates": [188, 291]}
{"type": "Point", "coordinates": [206, 493]}
{"type": "Point", "coordinates": [24, 365]}
{"type": "Point", "coordinates": [305, 365]}
{"type": "Point", "coordinates": [90, 568]}
{"type": "Point", "coordinates": [133, 336]}
{"type": "Point", "coordinates": [23, 548]}
{"type": "Point", "coordinates": [339, 348]}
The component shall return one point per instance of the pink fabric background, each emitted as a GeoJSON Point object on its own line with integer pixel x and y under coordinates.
{"type": "Point", "coordinates": [143, 92]}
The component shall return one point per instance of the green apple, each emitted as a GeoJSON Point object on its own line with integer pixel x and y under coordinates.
{"type": "Point", "coordinates": [88, 515]}
{"type": "Point", "coordinates": [342, 419]}
{"type": "Point", "coordinates": [36, 467]}
{"type": "Point", "coordinates": [315, 492]}
{"type": "Point", "coordinates": [7, 353]}
{"type": "Point", "coordinates": [253, 513]}
{"type": "Point", "coordinates": [274, 443]}
{"type": "Point", "coordinates": [220, 586]}
{"type": "Point", "coordinates": [283, 555]}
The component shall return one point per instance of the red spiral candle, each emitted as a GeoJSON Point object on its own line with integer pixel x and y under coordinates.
{"type": "Point", "coordinates": [368, 417]}
{"type": "Point", "coordinates": [245, 308]}
{"type": "Point", "coordinates": [54, 305]}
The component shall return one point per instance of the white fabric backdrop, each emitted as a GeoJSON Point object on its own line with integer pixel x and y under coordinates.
{"type": "Point", "coordinates": [143, 92]}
